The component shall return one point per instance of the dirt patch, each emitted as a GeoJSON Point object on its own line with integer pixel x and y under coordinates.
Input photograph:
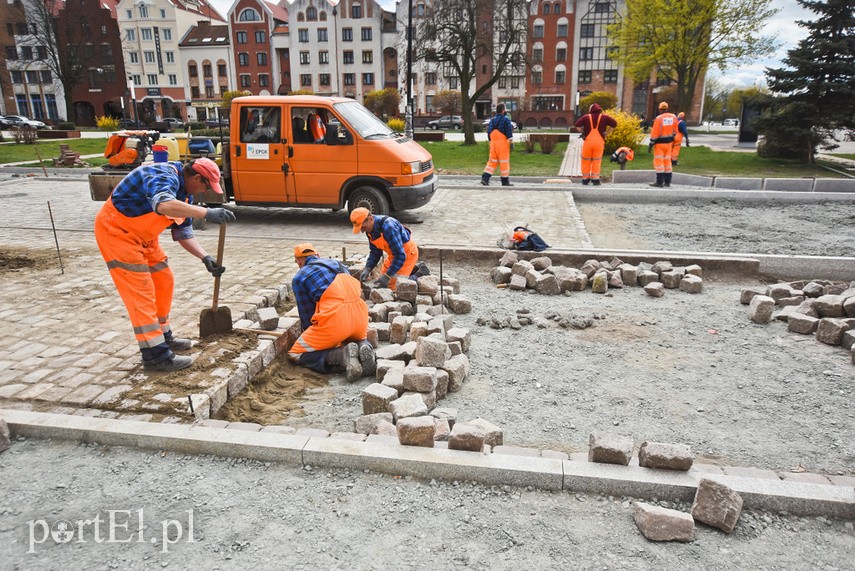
{"type": "Point", "coordinates": [277, 395]}
{"type": "Point", "coordinates": [17, 259]}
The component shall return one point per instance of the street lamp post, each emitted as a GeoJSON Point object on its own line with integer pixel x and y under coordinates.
{"type": "Point", "coordinates": [408, 113]}
{"type": "Point", "coordinates": [134, 102]}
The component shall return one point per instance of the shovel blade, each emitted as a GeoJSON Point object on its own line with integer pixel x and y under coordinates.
{"type": "Point", "coordinates": [212, 322]}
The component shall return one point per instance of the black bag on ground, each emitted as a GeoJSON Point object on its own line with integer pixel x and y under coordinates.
{"type": "Point", "coordinates": [532, 242]}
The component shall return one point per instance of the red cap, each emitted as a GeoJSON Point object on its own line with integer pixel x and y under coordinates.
{"type": "Point", "coordinates": [208, 169]}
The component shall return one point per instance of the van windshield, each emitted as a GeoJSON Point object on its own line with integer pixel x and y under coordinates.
{"type": "Point", "coordinates": [363, 121]}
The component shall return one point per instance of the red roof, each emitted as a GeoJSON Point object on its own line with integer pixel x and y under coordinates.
{"type": "Point", "coordinates": [278, 11]}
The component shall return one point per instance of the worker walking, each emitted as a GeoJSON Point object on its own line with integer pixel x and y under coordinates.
{"type": "Point", "coordinates": [682, 133]}
{"type": "Point", "coordinates": [333, 315]}
{"type": "Point", "coordinates": [386, 234]}
{"type": "Point", "coordinates": [148, 200]}
{"type": "Point", "coordinates": [500, 131]}
{"type": "Point", "coordinates": [595, 126]}
{"type": "Point", "coordinates": [661, 138]}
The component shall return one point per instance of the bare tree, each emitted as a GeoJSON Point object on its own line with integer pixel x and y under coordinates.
{"type": "Point", "coordinates": [468, 36]}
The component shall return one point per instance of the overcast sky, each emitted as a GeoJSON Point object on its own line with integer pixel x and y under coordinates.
{"type": "Point", "coordinates": [782, 24]}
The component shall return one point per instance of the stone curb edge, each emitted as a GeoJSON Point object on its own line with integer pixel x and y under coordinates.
{"type": "Point", "coordinates": [797, 498]}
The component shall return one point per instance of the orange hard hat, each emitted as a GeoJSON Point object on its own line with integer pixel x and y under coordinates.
{"type": "Point", "coordinates": [357, 217]}
{"type": "Point", "coordinates": [304, 250]}
{"type": "Point", "coordinates": [663, 105]}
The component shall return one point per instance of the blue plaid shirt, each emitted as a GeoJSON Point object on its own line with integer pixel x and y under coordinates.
{"type": "Point", "coordinates": [395, 235]}
{"type": "Point", "coordinates": [503, 124]}
{"type": "Point", "coordinates": [147, 186]}
{"type": "Point", "coordinates": [310, 283]}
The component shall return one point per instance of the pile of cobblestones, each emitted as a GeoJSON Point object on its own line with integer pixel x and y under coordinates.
{"type": "Point", "coordinates": [818, 307]}
{"type": "Point", "coordinates": [542, 276]}
{"type": "Point", "coordinates": [523, 317]}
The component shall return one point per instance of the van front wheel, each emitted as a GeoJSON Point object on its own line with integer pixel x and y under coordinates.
{"type": "Point", "coordinates": [370, 198]}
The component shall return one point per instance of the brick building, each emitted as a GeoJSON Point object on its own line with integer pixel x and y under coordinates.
{"type": "Point", "coordinates": [252, 24]}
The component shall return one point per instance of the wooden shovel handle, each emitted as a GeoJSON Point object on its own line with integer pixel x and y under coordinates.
{"type": "Point", "coordinates": [220, 245]}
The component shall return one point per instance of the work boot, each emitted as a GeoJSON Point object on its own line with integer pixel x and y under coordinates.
{"type": "Point", "coordinates": [345, 358]}
{"type": "Point", "coordinates": [667, 180]}
{"type": "Point", "coordinates": [179, 343]}
{"type": "Point", "coordinates": [485, 179]}
{"type": "Point", "coordinates": [506, 181]}
{"type": "Point", "coordinates": [174, 363]}
{"type": "Point", "coordinates": [423, 269]}
{"type": "Point", "coordinates": [367, 358]}
{"type": "Point", "coordinates": [585, 181]}
{"type": "Point", "coordinates": [657, 184]}
{"type": "Point", "coordinates": [596, 182]}
{"type": "Point", "coordinates": [660, 180]}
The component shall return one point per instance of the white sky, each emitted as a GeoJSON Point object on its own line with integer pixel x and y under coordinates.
{"type": "Point", "coordinates": [782, 24]}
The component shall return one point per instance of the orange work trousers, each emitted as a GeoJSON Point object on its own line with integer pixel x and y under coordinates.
{"type": "Point", "coordinates": [340, 316]}
{"type": "Point", "coordinates": [139, 268]}
{"type": "Point", "coordinates": [675, 146]}
{"type": "Point", "coordinates": [592, 155]}
{"type": "Point", "coordinates": [662, 157]}
{"type": "Point", "coordinates": [500, 154]}
{"type": "Point", "coordinates": [411, 250]}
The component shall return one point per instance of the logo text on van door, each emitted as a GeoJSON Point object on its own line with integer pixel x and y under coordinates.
{"type": "Point", "coordinates": [258, 151]}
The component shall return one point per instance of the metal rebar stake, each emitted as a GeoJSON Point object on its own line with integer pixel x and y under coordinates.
{"type": "Point", "coordinates": [55, 239]}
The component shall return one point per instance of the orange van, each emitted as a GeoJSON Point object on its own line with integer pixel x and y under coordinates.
{"type": "Point", "coordinates": [311, 151]}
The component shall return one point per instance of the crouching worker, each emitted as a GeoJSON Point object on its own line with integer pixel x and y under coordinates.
{"type": "Point", "coordinates": [386, 234]}
{"type": "Point", "coordinates": [333, 316]}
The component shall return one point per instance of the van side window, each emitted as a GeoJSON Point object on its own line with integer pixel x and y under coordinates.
{"type": "Point", "coordinates": [298, 126]}
{"type": "Point", "coordinates": [316, 125]}
{"type": "Point", "coordinates": [260, 125]}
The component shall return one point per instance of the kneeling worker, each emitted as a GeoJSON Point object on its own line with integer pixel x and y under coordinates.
{"type": "Point", "coordinates": [332, 312]}
{"type": "Point", "coordinates": [385, 234]}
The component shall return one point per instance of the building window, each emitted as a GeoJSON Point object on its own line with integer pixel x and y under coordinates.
{"type": "Point", "coordinates": [304, 58]}
{"type": "Point", "coordinates": [244, 80]}
{"type": "Point", "coordinates": [143, 11]}
{"type": "Point", "coordinates": [537, 54]}
{"type": "Point", "coordinates": [367, 56]}
{"type": "Point", "coordinates": [260, 37]}
{"type": "Point", "coordinates": [192, 70]}
{"type": "Point", "coordinates": [322, 34]}
{"type": "Point", "coordinates": [324, 79]}
{"type": "Point", "coordinates": [546, 8]}
{"type": "Point", "coordinates": [38, 109]}
{"type": "Point", "coordinates": [347, 56]}
{"type": "Point", "coordinates": [170, 57]}
{"type": "Point", "coordinates": [162, 14]}
{"type": "Point", "coordinates": [206, 70]}
{"type": "Point", "coordinates": [536, 77]}
{"type": "Point", "coordinates": [610, 76]}
{"type": "Point", "coordinates": [131, 35]}
{"type": "Point", "coordinates": [368, 79]}
{"type": "Point", "coordinates": [221, 69]}
{"type": "Point", "coordinates": [323, 17]}
{"type": "Point", "coordinates": [601, 8]}
{"type": "Point", "coordinates": [323, 57]}
{"type": "Point", "coordinates": [47, 77]}
{"type": "Point", "coordinates": [240, 37]}
{"type": "Point", "coordinates": [249, 15]}
{"type": "Point", "coordinates": [560, 76]}
{"type": "Point", "coordinates": [586, 31]}
{"type": "Point", "coordinates": [136, 79]}
{"type": "Point", "coordinates": [261, 58]}
{"type": "Point", "coordinates": [306, 79]}
{"type": "Point", "coordinates": [23, 106]}
{"type": "Point", "coordinates": [585, 76]}
{"type": "Point", "coordinates": [561, 32]}
{"type": "Point", "coordinates": [347, 34]}
{"type": "Point", "coordinates": [41, 52]}
{"type": "Point", "coordinates": [452, 83]}
{"type": "Point", "coordinates": [145, 33]}
{"type": "Point", "coordinates": [430, 78]}
{"type": "Point", "coordinates": [134, 57]}
{"type": "Point", "coordinates": [26, 52]}
{"type": "Point", "coordinates": [243, 59]}
{"type": "Point", "coordinates": [538, 31]}
{"type": "Point", "coordinates": [33, 77]}
{"type": "Point", "coordinates": [303, 35]}
{"type": "Point", "coordinates": [311, 13]}
{"type": "Point", "coordinates": [194, 92]}
{"type": "Point", "coordinates": [173, 79]}
{"type": "Point", "coordinates": [152, 79]}
{"type": "Point", "coordinates": [356, 11]}
{"type": "Point", "coordinates": [350, 79]}
{"type": "Point", "coordinates": [263, 79]}
{"type": "Point", "coordinates": [503, 82]}
{"type": "Point", "coordinates": [129, 14]}
{"type": "Point", "coordinates": [561, 54]}
{"type": "Point", "coordinates": [366, 34]}
{"type": "Point", "coordinates": [167, 34]}
{"type": "Point", "coordinates": [586, 54]}
{"type": "Point", "coordinates": [50, 99]}
{"type": "Point", "coordinates": [149, 57]}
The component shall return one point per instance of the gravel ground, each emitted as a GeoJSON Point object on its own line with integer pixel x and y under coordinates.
{"type": "Point", "coordinates": [823, 229]}
{"type": "Point", "coordinates": [249, 514]}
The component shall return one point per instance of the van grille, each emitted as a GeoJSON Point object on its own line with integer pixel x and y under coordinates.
{"type": "Point", "coordinates": [426, 166]}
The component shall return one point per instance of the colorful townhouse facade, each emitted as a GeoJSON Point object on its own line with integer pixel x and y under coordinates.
{"type": "Point", "coordinates": [207, 68]}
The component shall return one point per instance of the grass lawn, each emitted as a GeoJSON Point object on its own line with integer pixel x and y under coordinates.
{"type": "Point", "coordinates": [15, 153]}
{"type": "Point", "coordinates": [456, 158]}
{"type": "Point", "coordinates": [850, 156]}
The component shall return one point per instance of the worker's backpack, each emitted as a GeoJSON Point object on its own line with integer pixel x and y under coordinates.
{"type": "Point", "coordinates": [525, 239]}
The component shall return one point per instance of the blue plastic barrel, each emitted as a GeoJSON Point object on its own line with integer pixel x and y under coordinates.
{"type": "Point", "coordinates": [201, 146]}
{"type": "Point", "coordinates": [161, 153]}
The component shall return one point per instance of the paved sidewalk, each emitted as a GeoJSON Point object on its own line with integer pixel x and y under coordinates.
{"type": "Point", "coordinates": [572, 163]}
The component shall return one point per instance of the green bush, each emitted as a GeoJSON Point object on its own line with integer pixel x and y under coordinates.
{"type": "Point", "coordinates": [396, 124]}
{"type": "Point", "coordinates": [65, 126]}
{"type": "Point", "coordinates": [605, 99]}
{"type": "Point", "coordinates": [198, 126]}
{"type": "Point", "coordinates": [628, 132]}
{"type": "Point", "coordinates": [478, 127]}
{"type": "Point", "coordinates": [546, 141]}
{"type": "Point", "coordinates": [105, 123]}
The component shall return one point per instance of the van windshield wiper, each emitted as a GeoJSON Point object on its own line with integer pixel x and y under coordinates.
{"type": "Point", "coordinates": [377, 136]}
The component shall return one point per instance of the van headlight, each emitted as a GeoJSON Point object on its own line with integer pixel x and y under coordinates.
{"type": "Point", "coordinates": [410, 168]}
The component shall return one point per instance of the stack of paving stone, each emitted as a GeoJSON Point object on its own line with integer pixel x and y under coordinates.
{"type": "Point", "coordinates": [542, 276]}
{"type": "Point", "coordinates": [819, 307]}
{"type": "Point", "coordinates": [715, 504]}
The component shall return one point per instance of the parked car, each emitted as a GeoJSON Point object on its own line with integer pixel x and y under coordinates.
{"type": "Point", "coordinates": [129, 123]}
{"type": "Point", "coordinates": [447, 122]}
{"type": "Point", "coordinates": [212, 123]}
{"type": "Point", "coordinates": [730, 123]}
{"type": "Point", "coordinates": [21, 121]}
{"type": "Point", "coordinates": [513, 124]}
{"type": "Point", "coordinates": [173, 122]}
{"type": "Point", "coordinates": [4, 124]}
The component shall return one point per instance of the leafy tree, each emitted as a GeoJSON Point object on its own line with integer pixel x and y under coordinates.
{"type": "Point", "coordinates": [604, 99]}
{"type": "Point", "coordinates": [679, 40]}
{"type": "Point", "coordinates": [469, 37]}
{"type": "Point", "coordinates": [817, 88]}
{"type": "Point", "coordinates": [383, 102]}
{"type": "Point", "coordinates": [715, 94]}
{"type": "Point", "coordinates": [226, 103]}
{"type": "Point", "coordinates": [448, 102]}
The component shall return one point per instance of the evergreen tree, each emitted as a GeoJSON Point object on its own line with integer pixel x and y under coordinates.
{"type": "Point", "coordinates": [816, 91]}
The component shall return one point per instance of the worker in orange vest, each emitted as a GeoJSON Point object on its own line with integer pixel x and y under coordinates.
{"type": "Point", "coordinates": [333, 315]}
{"type": "Point", "coordinates": [150, 199]}
{"type": "Point", "coordinates": [661, 139]}
{"type": "Point", "coordinates": [682, 133]}
{"type": "Point", "coordinates": [595, 126]}
{"type": "Point", "coordinates": [500, 132]}
{"type": "Point", "coordinates": [387, 235]}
